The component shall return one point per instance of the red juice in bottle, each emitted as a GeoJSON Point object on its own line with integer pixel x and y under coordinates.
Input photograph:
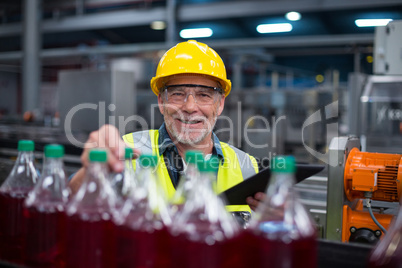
{"type": "Point", "coordinates": [206, 249]}
{"type": "Point", "coordinates": [143, 249]}
{"type": "Point", "coordinates": [299, 253]}
{"type": "Point", "coordinates": [44, 246]}
{"type": "Point", "coordinates": [142, 242]}
{"type": "Point", "coordinates": [163, 242]}
{"type": "Point", "coordinates": [12, 225]}
{"type": "Point", "coordinates": [287, 235]}
{"type": "Point", "coordinates": [44, 212]}
{"type": "Point", "coordinates": [195, 254]}
{"type": "Point", "coordinates": [143, 239]}
{"type": "Point", "coordinates": [304, 252]}
{"type": "Point", "coordinates": [90, 241]}
{"type": "Point", "coordinates": [203, 230]}
{"type": "Point", "coordinates": [241, 251]}
{"type": "Point", "coordinates": [13, 192]}
{"type": "Point", "coordinates": [127, 247]}
{"type": "Point", "coordinates": [127, 237]}
{"type": "Point", "coordinates": [153, 250]}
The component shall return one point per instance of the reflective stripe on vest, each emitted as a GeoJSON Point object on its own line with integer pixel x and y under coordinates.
{"type": "Point", "coordinates": [236, 166]}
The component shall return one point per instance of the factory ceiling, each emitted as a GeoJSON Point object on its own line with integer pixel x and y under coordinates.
{"type": "Point", "coordinates": [118, 27]}
{"type": "Point", "coordinates": [68, 23]}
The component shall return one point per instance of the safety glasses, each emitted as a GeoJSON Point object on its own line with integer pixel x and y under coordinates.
{"type": "Point", "coordinates": [203, 95]}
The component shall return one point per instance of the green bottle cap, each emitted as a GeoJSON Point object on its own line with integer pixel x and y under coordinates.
{"type": "Point", "coordinates": [193, 157]}
{"type": "Point", "coordinates": [211, 165]}
{"type": "Point", "coordinates": [54, 150]}
{"type": "Point", "coordinates": [148, 160]}
{"type": "Point", "coordinates": [128, 153]}
{"type": "Point", "coordinates": [98, 155]}
{"type": "Point", "coordinates": [283, 164]}
{"type": "Point", "coordinates": [26, 146]}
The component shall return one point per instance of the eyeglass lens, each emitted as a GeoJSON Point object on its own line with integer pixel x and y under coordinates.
{"type": "Point", "coordinates": [202, 95]}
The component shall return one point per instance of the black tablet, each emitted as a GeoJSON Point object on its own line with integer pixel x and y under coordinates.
{"type": "Point", "coordinates": [258, 183]}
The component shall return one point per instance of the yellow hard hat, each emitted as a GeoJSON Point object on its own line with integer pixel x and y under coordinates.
{"type": "Point", "coordinates": [190, 57]}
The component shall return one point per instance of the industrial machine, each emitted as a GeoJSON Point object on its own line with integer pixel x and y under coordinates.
{"type": "Point", "coordinates": [364, 190]}
{"type": "Point", "coordinates": [375, 101]}
{"type": "Point", "coordinates": [92, 98]}
{"type": "Point", "coordinates": [266, 122]}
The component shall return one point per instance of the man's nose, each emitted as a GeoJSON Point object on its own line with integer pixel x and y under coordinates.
{"type": "Point", "coordinates": [190, 103]}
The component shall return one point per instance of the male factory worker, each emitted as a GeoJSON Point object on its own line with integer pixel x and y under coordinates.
{"type": "Point", "coordinates": [191, 86]}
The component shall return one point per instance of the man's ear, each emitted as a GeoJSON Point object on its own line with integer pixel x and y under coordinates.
{"type": "Point", "coordinates": [160, 103]}
{"type": "Point", "coordinates": [221, 105]}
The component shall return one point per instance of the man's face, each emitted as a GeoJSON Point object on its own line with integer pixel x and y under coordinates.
{"type": "Point", "coordinates": [190, 122]}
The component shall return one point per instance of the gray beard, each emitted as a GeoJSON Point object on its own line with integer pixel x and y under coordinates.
{"type": "Point", "coordinates": [184, 137]}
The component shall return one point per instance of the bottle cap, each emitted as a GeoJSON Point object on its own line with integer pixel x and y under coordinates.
{"type": "Point", "coordinates": [211, 165]}
{"type": "Point", "coordinates": [26, 146]}
{"type": "Point", "coordinates": [283, 164]}
{"type": "Point", "coordinates": [193, 157]}
{"type": "Point", "coordinates": [54, 150]}
{"type": "Point", "coordinates": [128, 153]}
{"type": "Point", "coordinates": [148, 160]}
{"type": "Point", "coordinates": [98, 155]}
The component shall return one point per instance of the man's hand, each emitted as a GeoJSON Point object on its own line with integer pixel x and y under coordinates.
{"type": "Point", "coordinates": [254, 201]}
{"type": "Point", "coordinates": [107, 137]}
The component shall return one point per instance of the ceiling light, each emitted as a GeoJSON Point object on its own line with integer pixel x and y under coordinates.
{"type": "Point", "coordinates": [274, 28]}
{"type": "Point", "coordinates": [364, 98]}
{"type": "Point", "coordinates": [158, 25]}
{"type": "Point", "coordinates": [196, 33]}
{"type": "Point", "coordinates": [319, 78]}
{"type": "Point", "coordinates": [371, 22]}
{"type": "Point", "coordinates": [293, 16]}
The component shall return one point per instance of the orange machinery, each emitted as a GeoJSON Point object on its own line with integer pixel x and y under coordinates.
{"type": "Point", "coordinates": [370, 186]}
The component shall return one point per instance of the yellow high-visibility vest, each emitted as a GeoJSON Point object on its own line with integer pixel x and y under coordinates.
{"type": "Point", "coordinates": [237, 165]}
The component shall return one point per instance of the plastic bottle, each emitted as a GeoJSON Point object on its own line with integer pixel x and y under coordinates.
{"type": "Point", "coordinates": [124, 182]}
{"type": "Point", "coordinates": [388, 252]}
{"type": "Point", "coordinates": [90, 229]}
{"type": "Point", "coordinates": [286, 230]}
{"type": "Point", "coordinates": [142, 226]}
{"type": "Point", "coordinates": [13, 192]}
{"type": "Point", "coordinates": [203, 231]}
{"type": "Point", "coordinates": [44, 213]}
{"type": "Point", "coordinates": [187, 181]}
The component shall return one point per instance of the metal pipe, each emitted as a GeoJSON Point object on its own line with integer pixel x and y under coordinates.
{"type": "Point", "coordinates": [274, 80]}
{"type": "Point", "coordinates": [356, 62]}
{"type": "Point", "coordinates": [262, 74]}
{"type": "Point", "coordinates": [238, 74]}
{"type": "Point", "coordinates": [289, 79]}
{"type": "Point", "coordinates": [31, 68]}
{"type": "Point", "coordinates": [171, 21]}
{"type": "Point", "coordinates": [79, 7]}
{"type": "Point", "coordinates": [216, 44]}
